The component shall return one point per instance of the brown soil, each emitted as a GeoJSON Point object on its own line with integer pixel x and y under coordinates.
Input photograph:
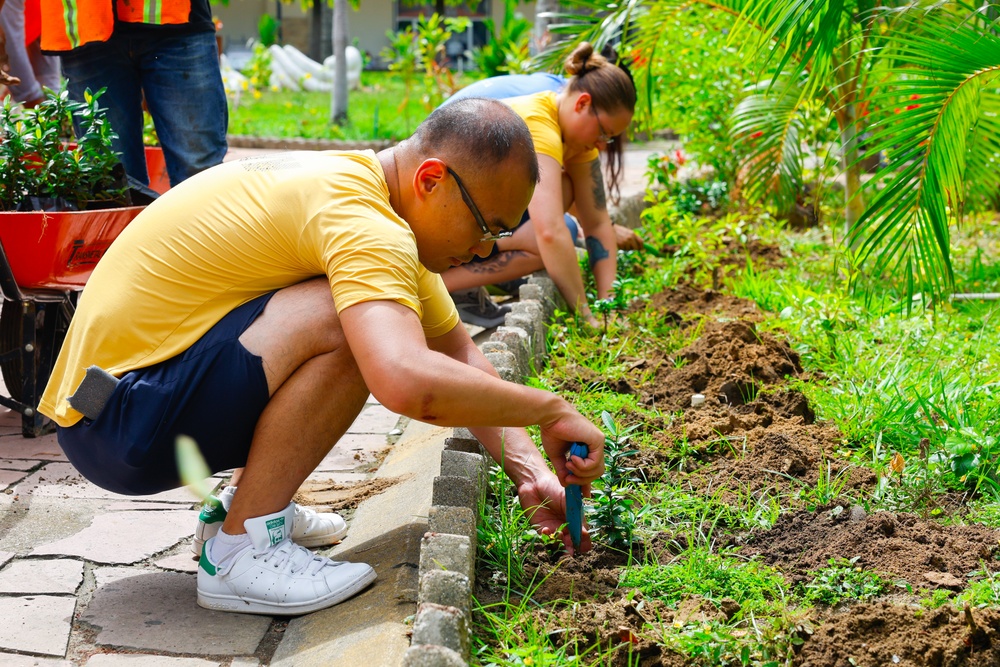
{"type": "Point", "coordinates": [754, 434]}
{"type": "Point", "coordinates": [886, 634]}
{"type": "Point", "coordinates": [336, 497]}
{"type": "Point", "coordinates": [900, 546]}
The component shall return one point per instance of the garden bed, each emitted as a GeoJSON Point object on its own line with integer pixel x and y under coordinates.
{"type": "Point", "coordinates": [750, 529]}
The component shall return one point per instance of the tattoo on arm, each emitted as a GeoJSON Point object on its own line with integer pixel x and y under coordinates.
{"type": "Point", "coordinates": [495, 263]}
{"type": "Point", "coordinates": [600, 199]}
{"type": "Point", "coordinates": [595, 251]}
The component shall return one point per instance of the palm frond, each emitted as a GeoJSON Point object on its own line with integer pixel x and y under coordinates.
{"type": "Point", "coordinates": [769, 124]}
{"type": "Point", "coordinates": [944, 133]}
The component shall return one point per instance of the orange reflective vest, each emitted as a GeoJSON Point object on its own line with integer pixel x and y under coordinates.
{"type": "Point", "coordinates": [67, 24]}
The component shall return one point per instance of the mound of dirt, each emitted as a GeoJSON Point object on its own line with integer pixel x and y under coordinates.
{"type": "Point", "coordinates": [729, 364]}
{"type": "Point", "coordinates": [885, 634]}
{"type": "Point", "coordinates": [899, 546]}
{"type": "Point", "coordinates": [686, 300]}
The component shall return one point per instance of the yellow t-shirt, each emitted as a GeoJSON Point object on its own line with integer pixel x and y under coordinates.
{"type": "Point", "coordinates": [229, 235]}
{"type": "Point", "coordinates": [541, 114]}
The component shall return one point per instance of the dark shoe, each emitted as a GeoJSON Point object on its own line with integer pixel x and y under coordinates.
{"type": "Point", "coordinates": [511, 287]}
{"type": "Point", "coordinates": [476, 307]}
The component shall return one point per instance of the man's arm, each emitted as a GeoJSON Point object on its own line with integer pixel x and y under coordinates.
{"type": "Point", "coordinates": [447, 381]}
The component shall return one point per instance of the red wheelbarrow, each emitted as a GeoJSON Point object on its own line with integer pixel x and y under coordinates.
{"type": "Point", "coordinates": [45, 261]}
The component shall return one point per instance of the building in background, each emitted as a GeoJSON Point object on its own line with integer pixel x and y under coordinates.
{"type": "Point", "coordinates": [366, 25]}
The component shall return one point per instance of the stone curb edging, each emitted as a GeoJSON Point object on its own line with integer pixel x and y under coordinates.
{"type": "Point", "coordinates": [447, 569]}
{"type": "Point", "coordinates": [442, 625]}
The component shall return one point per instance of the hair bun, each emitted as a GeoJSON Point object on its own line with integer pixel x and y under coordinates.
{"type": "Point", "coordinates": [583, 60]}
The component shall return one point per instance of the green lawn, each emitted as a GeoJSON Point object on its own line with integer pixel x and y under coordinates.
{"type": "Point", "coordinates": [382, 108]}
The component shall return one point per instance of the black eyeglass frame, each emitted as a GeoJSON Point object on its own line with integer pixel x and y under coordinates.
{"type": "Point", "coordinates": [488, 236]}
{"type": "Point", "coordinates": [603, 136]}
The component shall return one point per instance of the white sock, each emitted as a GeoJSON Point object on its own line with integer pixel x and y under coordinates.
{"type": "Point", "coordinates": [226, 497]}
{"type": "Point", "coordinates": [225, 546]}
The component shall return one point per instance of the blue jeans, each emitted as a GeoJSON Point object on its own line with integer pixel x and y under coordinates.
{"type": "Point", "coordinates": [180, 78]}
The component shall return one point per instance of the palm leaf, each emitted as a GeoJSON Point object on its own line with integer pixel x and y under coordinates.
{"type": "Point", "coordinates": [947, 68]}
{"type": "Point", "coordinates": [769, 124]}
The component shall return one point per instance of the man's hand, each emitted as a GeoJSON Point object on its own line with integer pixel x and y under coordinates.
{"type": "Point", "coordinates": [556, 438]}
{"type": "Point", "coordinates": [627, 239]}
{"type": "Point", "coordinates": [5, 79]}
{"type": "Point", "coordinates": [544, 503]}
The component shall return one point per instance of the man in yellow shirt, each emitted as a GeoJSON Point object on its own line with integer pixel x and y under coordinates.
{"type": "Point", "coordinates": [255, 306]}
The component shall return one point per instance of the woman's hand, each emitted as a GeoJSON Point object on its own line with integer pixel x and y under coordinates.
{"type": "Point", "coordinates": [627, 239]}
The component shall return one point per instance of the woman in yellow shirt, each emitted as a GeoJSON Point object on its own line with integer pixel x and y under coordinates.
{"type": "Point", "coordinates": [570, 128]}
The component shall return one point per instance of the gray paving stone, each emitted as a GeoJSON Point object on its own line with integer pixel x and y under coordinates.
{"type": "Point", "coordinates": [453, 520]}
{"type": "Point", "coordinates": [44, 448]}
{"type": "Point", "coordinates": [125, 537]}
{"type": "Point", "coordinates": [440, 625]}
{"type": "Point", "coordinates": [245, 662]}
{"type": "Point", "coordinates": [61, 575]}
{"type": "Point", "coordinates": [157, 611]}
{"type": "Point", "coordinates": [441, 551]}
{"type": "Point", "coordinates": [17, 464]}
{"type": "Point", "coordinates": [137, 504]}
{"type": "Point", "coordinates": [354, 451]}
{"type": "Point", "coordinates": [429, 655]}
{"type": "Point", "coordinates": [463, 464]}
{"type": "Point", "coordinates": [8, 477]}
{"type": "Point", "coordinates": [135, 660]}
{"type": "Point", "coordinates": [5, 556]}
{"type": "Point", "coordinates": [337, 478]}
{"type": "Point", "coordinates": [36, 623]}
{"type": "Point", "coordinates": [374, 419]}
{"type": "Point", "coordinates": [62, 480]}
{"type": "Point", "coordinates": [450, 589]}
{"type": "Point", "coordinates": [371, 628]}
{"type": "Point", "coordinates": [45, 520]}
{"type": "Point", "coordinates": [456, 492]}
{"type": "Point", "coordinates": [184, 561]}
{"type": "Point", "coordinates": [15, 660]}
{"type": "Point", "coordinates": [8, 417]}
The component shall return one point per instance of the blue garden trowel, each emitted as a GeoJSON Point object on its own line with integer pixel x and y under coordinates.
{"type": "Point", "coordinates": [574, 499]}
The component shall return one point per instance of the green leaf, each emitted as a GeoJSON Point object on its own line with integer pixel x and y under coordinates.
{"type": "Point", "coordinates": [191, 465]}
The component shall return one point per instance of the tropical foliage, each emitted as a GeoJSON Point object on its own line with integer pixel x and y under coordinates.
{"type": "Point", "coordinates": [913, 83]}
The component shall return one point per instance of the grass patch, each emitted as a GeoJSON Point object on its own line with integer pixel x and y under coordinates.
{"type": "Point", "coordinates": [382, 109]}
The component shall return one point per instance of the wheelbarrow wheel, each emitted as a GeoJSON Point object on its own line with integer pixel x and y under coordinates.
{"type": "Point", "coordinates": [12, 339]}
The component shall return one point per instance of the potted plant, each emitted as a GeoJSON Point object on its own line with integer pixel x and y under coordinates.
{"type": "Point", "coordinates": [61, 206]}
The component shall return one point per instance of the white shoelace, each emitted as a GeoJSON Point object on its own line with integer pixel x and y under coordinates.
{"type": "Point", "coordinates": [289, 556]}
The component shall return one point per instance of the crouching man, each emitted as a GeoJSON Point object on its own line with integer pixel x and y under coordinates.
{"type": "Point", "coordinates": [255, 306]}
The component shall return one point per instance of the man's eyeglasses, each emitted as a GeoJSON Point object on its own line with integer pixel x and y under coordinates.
{"type": "Point", "coordinates": [603, 136]}
{"type": "Point", "coordinates": [488, 236]}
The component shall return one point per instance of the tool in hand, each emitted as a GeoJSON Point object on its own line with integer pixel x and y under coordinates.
{"type": "Point", "coordinates": [574, 499]}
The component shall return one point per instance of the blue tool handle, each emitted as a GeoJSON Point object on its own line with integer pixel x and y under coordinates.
{"type": "Point", "coordinates": [574, 499]}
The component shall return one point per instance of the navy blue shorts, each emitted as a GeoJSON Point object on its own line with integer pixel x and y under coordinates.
{"type": "Point", "coordinates": [213, 392]}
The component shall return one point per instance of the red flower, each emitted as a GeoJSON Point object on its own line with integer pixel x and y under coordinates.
{"type": "Point", "coordinates": [914, 97]}
{"type": "Point", "coordinates": [757, 135]}
{"type": "Point", "coordinates": [912, 106]}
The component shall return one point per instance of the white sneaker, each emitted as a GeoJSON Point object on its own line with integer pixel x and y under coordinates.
{"type": "Point", "coordinates": [309, 529]}
{"type": "Point", "coordinates": [273, 575]}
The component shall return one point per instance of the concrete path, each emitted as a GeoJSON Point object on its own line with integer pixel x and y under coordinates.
{"type": "Point", "coordinates": [92, 578]}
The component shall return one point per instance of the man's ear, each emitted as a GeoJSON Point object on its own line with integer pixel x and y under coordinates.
{"type": "Point", "coordinates": [428, 175]}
